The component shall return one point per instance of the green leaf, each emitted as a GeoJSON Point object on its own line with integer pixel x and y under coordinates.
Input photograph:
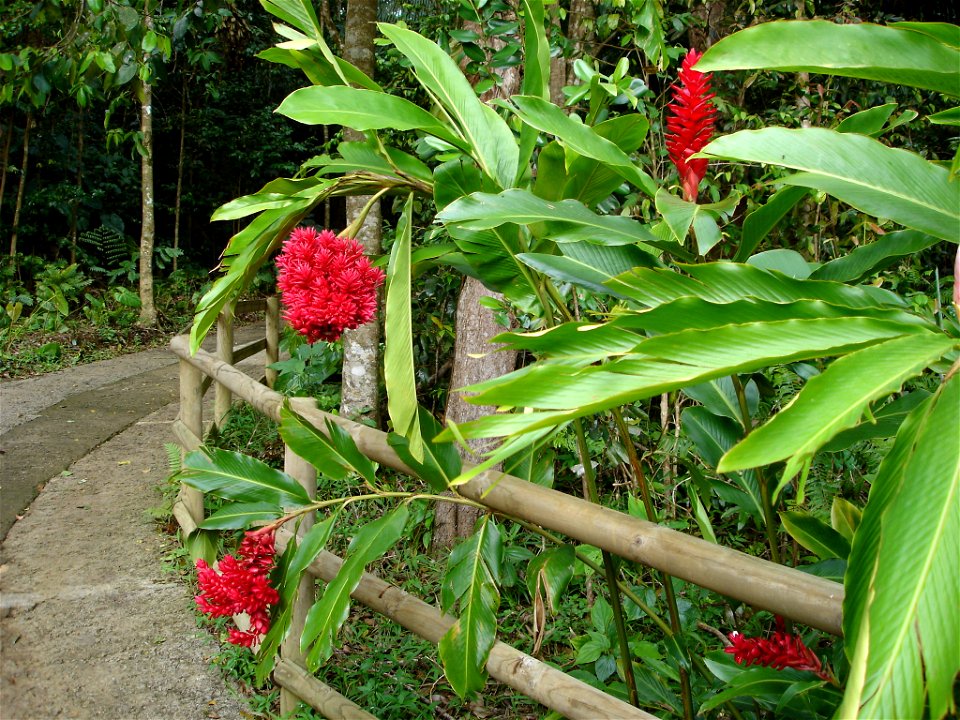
{"type": "Point", "coordinates": [720, 397]}
{"type": "Point", "coordinates": [788, 262]}
{"type": "Point", "coordinates": [845, 517]}
{"type": "Point", "coordinates": [868, 122]}
{"type": "Point", "coordinates": [241, 515]}
{"type": "Point", "coordinates": [588, 265]}
{"type": "Point", "coordinates": [440, 462]}
{"type": "Point", "coordinates": [725, 282]}
{"type": "Point", "coordinates": [549, 573]}
{"type": "Point", "coordinates": [483, 211]}
{"type": "Point", "coordinates": [202, 545]}
{"type": "Point", "coordinates": [361, 110]}
{"type": "Point", "coordinates": [868, 259]}
{"type": "Point", "coordinates": [946, 117]}
{"type": "Point", "coordinates": [291, 567]}
{"type": "Point", "coordinates": [893, 55]}
{"type": "Point", "coordinates": [816, 536]}
{"type": "Point", "coordinates": [536, 51]}
{"type": "Point", "coordinates": [242, 478]}
{"type": "Point", "coordinates": [761, 221]}
{"type": "Point", "coordinates": [471, 579]}
{"type": "Point", "coordinates": [488, 136]}
{"type": "Point", "coordinates": [863, 172]}
{"type": "Point", "coordinates": [331, 610]}
{"type": "Point", "coordinates": [713, 436]}
{"type": "Point", "coordinates": [833, 401]}
{"type": "Point", "coordinates": [900, 622]}
{"type": "Point", "coordinates": [547, 117]}
{"type": "Point", "coordinates": [589, 180]}
{"type": "Point", "coordinates": [398, 369]}
{"type": "Point", "coordinates": [312, 445]}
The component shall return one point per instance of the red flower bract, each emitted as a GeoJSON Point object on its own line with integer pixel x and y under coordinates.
{"type": "Point", "coordinates": [326, 283]}
{"type": "Point", "coordinates": [779, 651]}
{"type": "Point", "coordinates": [690, 119]}
{"type": "Point", "coordinates": [242, 585]}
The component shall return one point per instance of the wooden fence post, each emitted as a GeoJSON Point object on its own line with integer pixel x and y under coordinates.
{"type": "Point", "coordinates": [306, 475]}
{"type": "Point", "coordinates": [224, 398]}
{"type": "Point", "coordinates": [191, 415]}
{"type": "Point", "coordinates": [273, 338]}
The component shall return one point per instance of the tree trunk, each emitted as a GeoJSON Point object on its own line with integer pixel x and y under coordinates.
{"type": "Point", "coordinates": [176, 202]}
{"type": "Point", "coordinates": [5, 162]}
{"type": "Point", "coordinates": [75, 203]}
{"type": "Point", "coordinates": [23, 185]}
{"type": "Point", "coordinates": [148, 313]}
{"type": "Point", "coordinates": [580, 31]}
{"type": "Point", "coordinates": [558, 64]}
{"type": "Point", "coordinates": [474, 358]}
{"type": "Point", "coordinates": [360, 387]}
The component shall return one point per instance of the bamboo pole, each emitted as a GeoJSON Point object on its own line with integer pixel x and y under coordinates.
{"type": "Point", "coordinates": [223, 398]}
{"type": "Point", "coordinates": [272, 321]}
{"type": "Point", "coordinates": [779, 589]}
{"type": "Point", "coordinates": [535, 679]}
{"type": "Point", "coordinates": [244, 307]}
{"type": "Point", "coordinates": [191, 416]}
{"type": "Point", "coordinates": [305, 474]}
{"type": "Point", "coordinates": [249, 350]}
{"type": "Point", "coordinates": [294, 679]}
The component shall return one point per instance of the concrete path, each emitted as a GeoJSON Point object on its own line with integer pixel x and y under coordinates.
{"type": "Point", "coordinates": [91, 625]}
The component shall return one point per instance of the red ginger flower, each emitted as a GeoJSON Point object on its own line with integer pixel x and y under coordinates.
{"type": "Point", "coordinates": [326, 283]}
{"type": "Point", "coordinates": [690, 120]}
{"type": "Point", "coordinates": [242, 585]}
{"type": "Point", "coordinates": [780, 651]}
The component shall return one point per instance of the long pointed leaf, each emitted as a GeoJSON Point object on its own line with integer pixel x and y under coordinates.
{"type": "Point", "coordinates": [487, 134]}
{"type": "Point", "coordinates": [896, 55]}
{"type": "Point", "coordinates": [835, 400]}
{"type": "Point", "coordinates": [398, 369]}
{"type": "Point", "coordinates": [863, 172]}
{"type": "Point", "coordinates": [239, 477]}
{"type": "Point", "coordinates": [331, 610]}
{"type": "Point", "coordinates": [900, 618]}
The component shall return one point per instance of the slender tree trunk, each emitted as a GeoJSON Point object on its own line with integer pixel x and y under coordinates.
{"type": "Point", "coordinates": [558, 63]}
{"type": "Point", "coordinates": [5, 162]}
{"type": "Point", "coordinates": [75, 203]}
{"type": "Point", "coordinates": [474, 357]}
{"type": "Point", "coordinates": [176, 202]}
{"type": "Point", "coordinates": [360, 387]}
{"type": "Point", "coordinates": [148, 313]}
{"type": "Point", "coordinates": [23, 185]}
{"type": "Point", "coordinates": [580, 21]}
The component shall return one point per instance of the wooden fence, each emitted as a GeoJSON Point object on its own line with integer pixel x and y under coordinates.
{"type": "Point", "coordinates": [788, 592]}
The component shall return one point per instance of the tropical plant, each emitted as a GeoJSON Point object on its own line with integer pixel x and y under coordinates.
{"type": "Point", "coordinates": [616, 311]}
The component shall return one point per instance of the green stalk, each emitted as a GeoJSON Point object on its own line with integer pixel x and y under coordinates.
{"type": "Point", "coordinates": [672, 608]}
{"type": "Point", "coordinates": [610, 567]}
{"type": "Point", "coordinates": [769, 517]}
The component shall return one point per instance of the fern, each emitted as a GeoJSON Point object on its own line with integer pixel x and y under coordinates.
{"type": "Point", "coordinates": [173, 457]}
{"type": "Point", "coordinates": [110, 246]}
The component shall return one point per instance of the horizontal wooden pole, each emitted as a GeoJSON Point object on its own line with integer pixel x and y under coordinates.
{"type": "Point", "coordinates": [188, 441]}
{"type": "Point", "coordinates": [244, 307]}
{"type": "Point", "coordinates": [316, 694]}
{"type": "Point", "coordinates": [249, 350]}
{"type": "Point", "coordinates": [535, 679]}
{"type": "Point", "coordinates": [782, 590]}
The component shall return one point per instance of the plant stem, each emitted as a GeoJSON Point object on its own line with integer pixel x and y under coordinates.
{"type": "Point", "coordinates": [672, 607]}
{"type": "Point", "coordinates": [611, 573]}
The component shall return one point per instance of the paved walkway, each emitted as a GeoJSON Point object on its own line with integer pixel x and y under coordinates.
{"type": "Point", "coordinates": [91, 625]}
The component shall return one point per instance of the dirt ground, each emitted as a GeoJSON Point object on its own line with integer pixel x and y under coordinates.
{"type": "Point", "coordinates": [90, 624]}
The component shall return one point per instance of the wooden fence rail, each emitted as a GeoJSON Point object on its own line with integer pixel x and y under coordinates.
{"type": "Point", "coordinates": [762, 584]}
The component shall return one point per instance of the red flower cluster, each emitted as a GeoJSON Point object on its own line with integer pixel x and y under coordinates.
{"type": "Point", "coordinates": [327, 284]}
{"type": "Point", "coordinates": [780, 651]}
{"type": "Point", "coordinates": [241, 586]}
{"type": "Point", "coordinates": [690, 119]}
